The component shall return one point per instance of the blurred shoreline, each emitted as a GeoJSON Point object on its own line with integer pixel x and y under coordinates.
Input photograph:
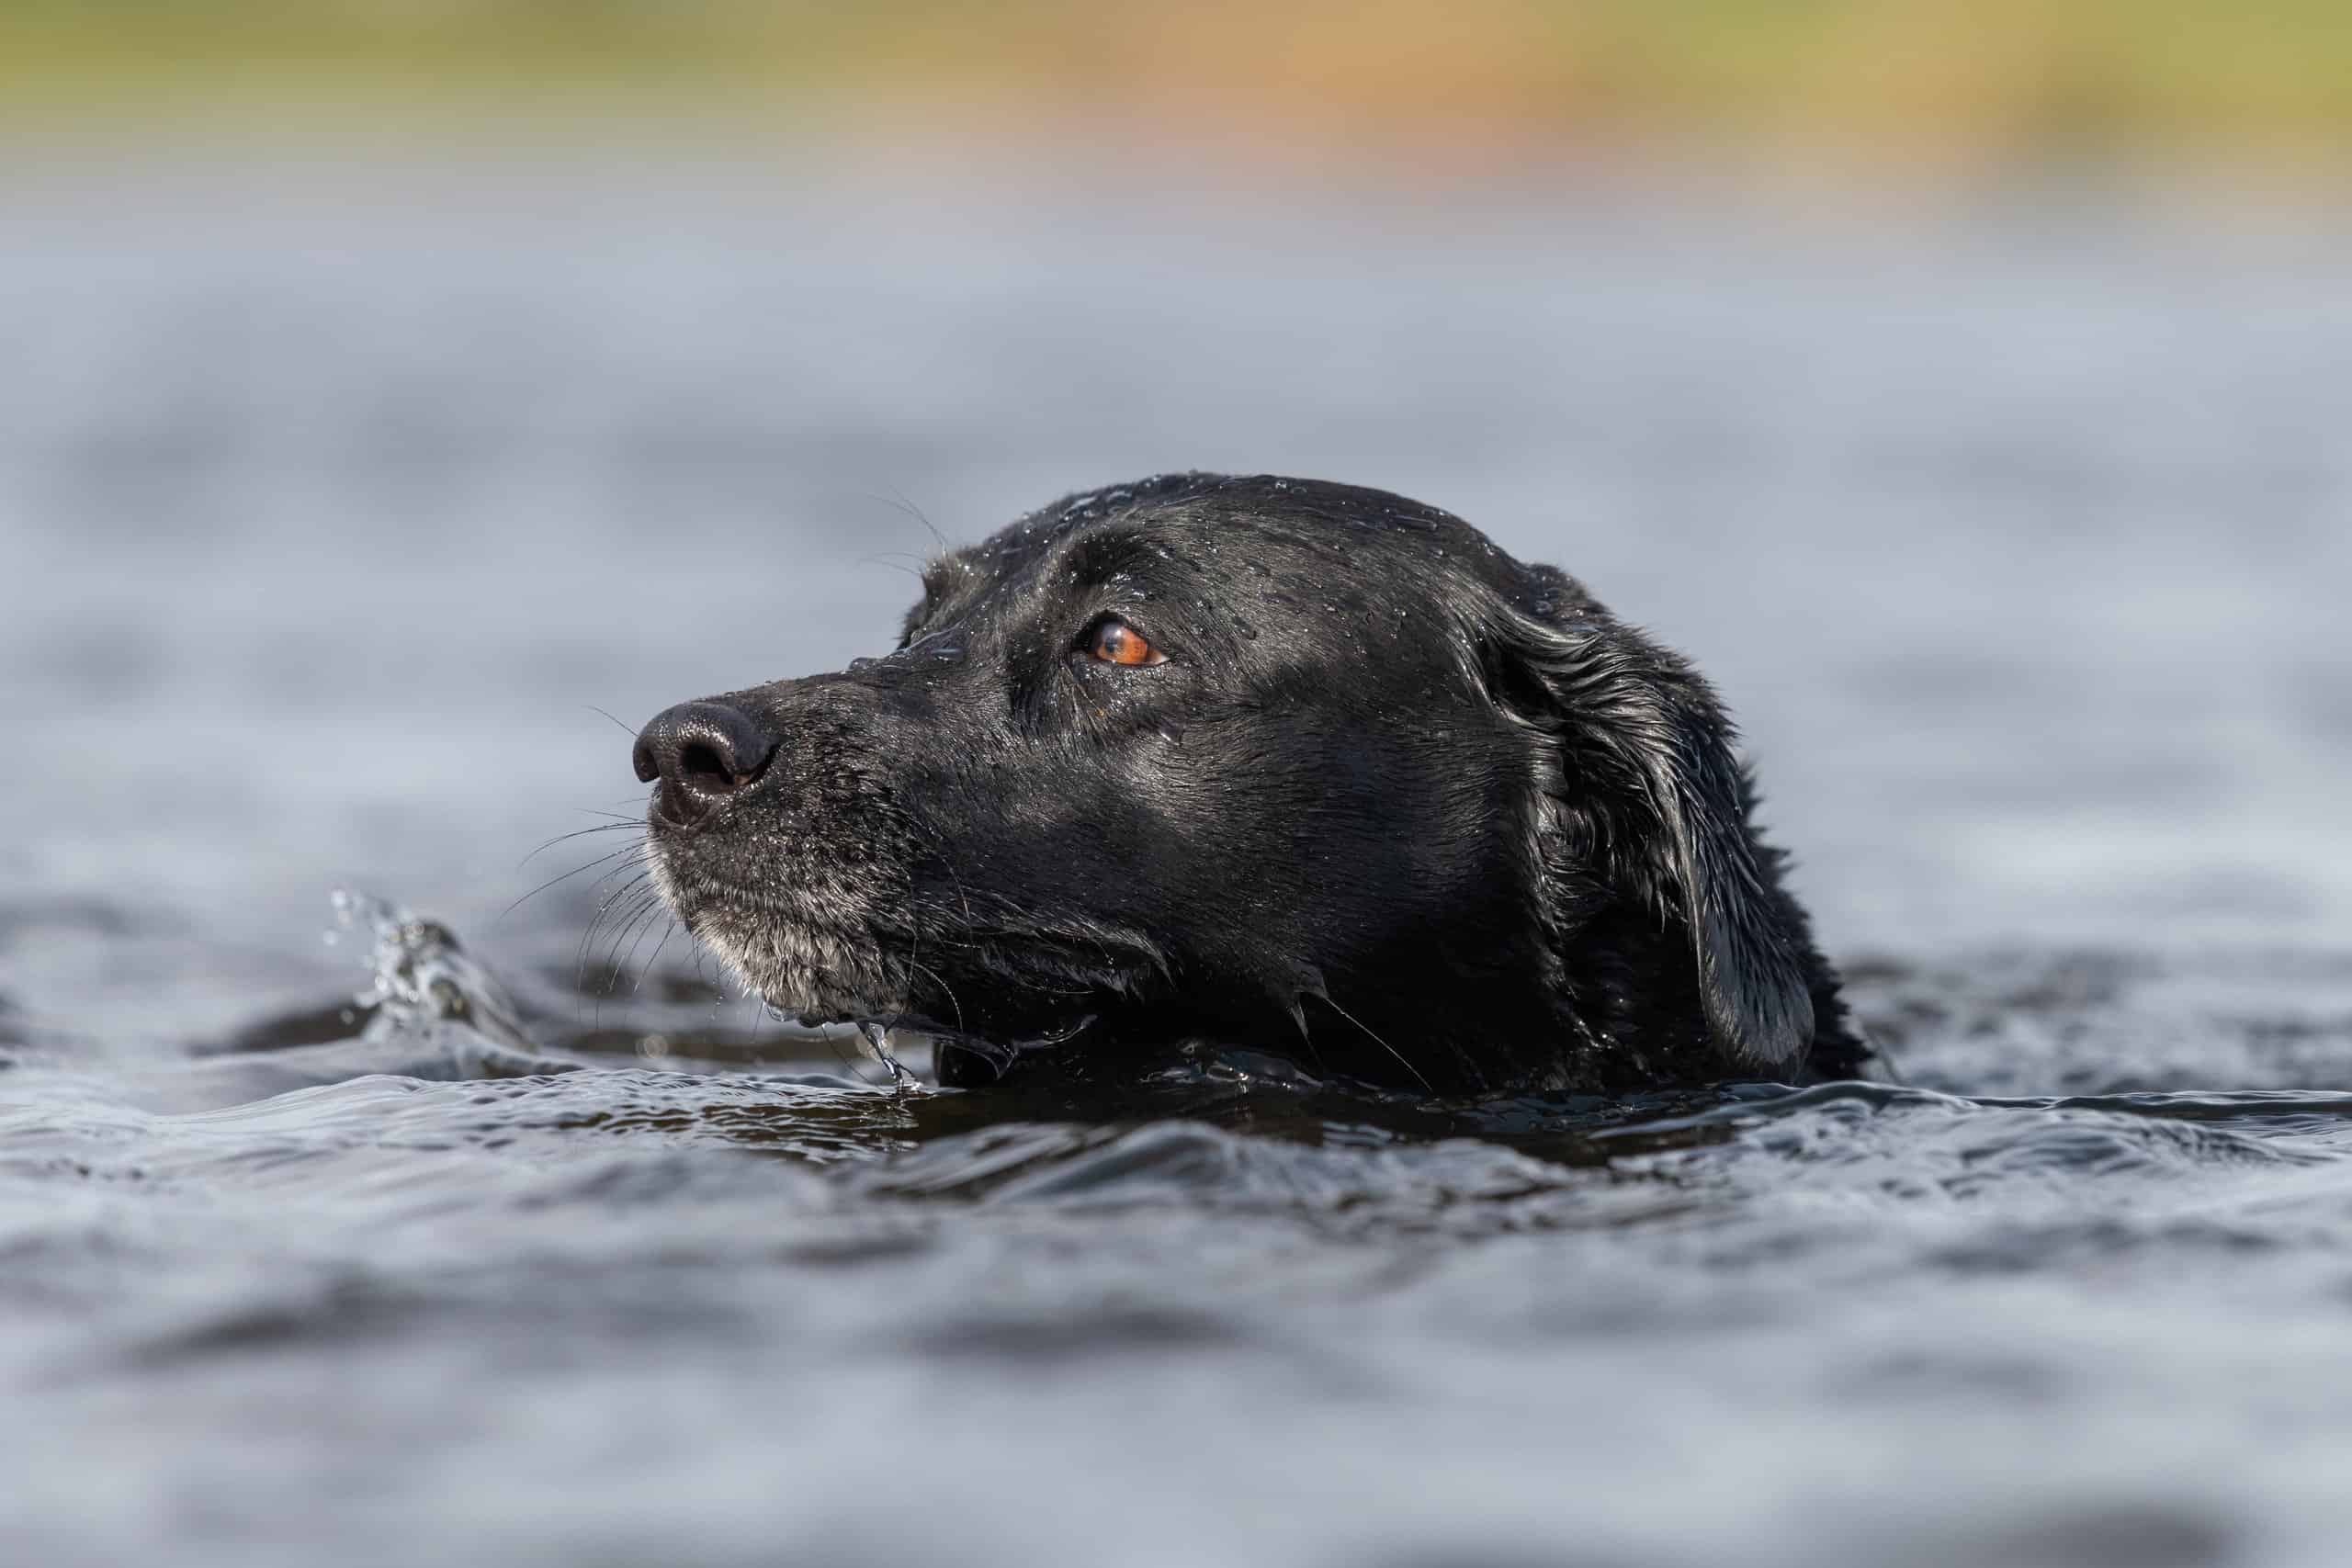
{"type": "Point", "coordinates": [1912, 103]}
{"type": "Point", "coordinates": [696, 172]}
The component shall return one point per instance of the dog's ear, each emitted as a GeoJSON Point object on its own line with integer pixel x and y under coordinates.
{"type": "Point", "coordinates": [1639, 752]}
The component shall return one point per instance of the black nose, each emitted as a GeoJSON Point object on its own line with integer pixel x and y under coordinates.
{"type": "Point", "coordinates": [702, 753]}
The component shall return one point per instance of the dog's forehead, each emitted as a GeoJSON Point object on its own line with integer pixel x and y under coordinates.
{"type": "Point", "coordinates": [1185, 524]}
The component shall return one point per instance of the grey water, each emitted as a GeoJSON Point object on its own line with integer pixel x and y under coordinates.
{"type": "Point", "coordinates": [346, 508]}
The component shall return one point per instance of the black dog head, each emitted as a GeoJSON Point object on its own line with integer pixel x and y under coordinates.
{"type": "Point", "coordinates": [1292, 765]}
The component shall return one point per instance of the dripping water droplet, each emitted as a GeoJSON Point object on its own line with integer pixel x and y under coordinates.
{"type": "Point", "coordinates": [877, 1040]}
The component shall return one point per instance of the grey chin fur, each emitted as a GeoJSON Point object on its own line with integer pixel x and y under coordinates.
{"type": "Point", "coordinates": [808, 953]}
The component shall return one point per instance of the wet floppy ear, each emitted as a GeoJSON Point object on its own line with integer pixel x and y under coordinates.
{"type": "Point", "coordinates": [1638, 745]}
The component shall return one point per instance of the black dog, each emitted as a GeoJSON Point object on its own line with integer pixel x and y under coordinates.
{"type": "Point", "coordinates": [1273, 763]}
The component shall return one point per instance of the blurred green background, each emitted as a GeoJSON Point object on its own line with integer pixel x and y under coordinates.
{"type": "Point", "coordinates": [1959, 83]}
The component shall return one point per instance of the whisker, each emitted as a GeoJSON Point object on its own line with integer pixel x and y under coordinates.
{"type": "Point", "coordinates": [849, 1063]}
{"type": "Point", "coordinates": [640, 908]}
{"type": "Point", "coordinates": [567, 838]}
{"type": "Point", "coordinates": [916, 964]}
{"type": "Point", "coordinates": [551, 881]}
{"type": "Point", "coordinates": [756, 1050]}
{"type": "Point", "coordinates": [637, 984]}
{"type": "Point", "coordinates": [644, 928]}
{"type": "Point", "coordinates": [894, 565]}
{"type": "Point", "coordinates": [641, 913]}
{"type": "Point", "coordinates": [1384, 1045]}
{"type": "Point", "coordinates": [961, 895]}
{"type": "Point", "coordinates": [588, 935]}
{"type": "Point", "coordinates": [911, 509]}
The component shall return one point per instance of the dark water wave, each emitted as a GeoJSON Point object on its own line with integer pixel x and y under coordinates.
{"type": "Point", "coordinates": [467, 1226]}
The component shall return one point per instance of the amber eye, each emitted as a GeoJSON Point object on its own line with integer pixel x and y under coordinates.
{"type": "Point", "coordinates": [1116, 642]}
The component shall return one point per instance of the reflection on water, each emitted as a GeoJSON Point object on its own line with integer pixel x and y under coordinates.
{"type": "Point", "coordinates": [327, 515]}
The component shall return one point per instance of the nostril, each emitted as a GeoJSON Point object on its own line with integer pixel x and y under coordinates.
{"type": "Point", "coordinates": [701, 765]}
{"type": "Point", "coordinates": [702, 753]}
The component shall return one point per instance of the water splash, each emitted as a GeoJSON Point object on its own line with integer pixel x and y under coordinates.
{"type": "Point", "coordinates": [418, 973]}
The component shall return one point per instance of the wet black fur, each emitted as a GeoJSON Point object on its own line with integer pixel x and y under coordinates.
{"type": "Point", "coordinates": [1397, 806]}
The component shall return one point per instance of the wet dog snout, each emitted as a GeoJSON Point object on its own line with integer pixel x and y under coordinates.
{"type": "Point", "coordinates": [704, 754]}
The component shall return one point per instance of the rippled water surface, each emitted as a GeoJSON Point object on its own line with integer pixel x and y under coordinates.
{"type": "Point", "coordinates": [333, 503]}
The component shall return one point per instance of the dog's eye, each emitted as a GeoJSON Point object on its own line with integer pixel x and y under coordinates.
{"type": "Point", "coordinates": [1112, 641]}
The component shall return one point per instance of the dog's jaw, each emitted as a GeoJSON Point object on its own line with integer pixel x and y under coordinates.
{"type": "Point", "coordinates": [804, 943]}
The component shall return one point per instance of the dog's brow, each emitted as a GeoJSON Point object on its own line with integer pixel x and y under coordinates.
{"type": "Point", "coordinates": [1096, 558]}
{"type": "Point", "coordinates": [940, 575]}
